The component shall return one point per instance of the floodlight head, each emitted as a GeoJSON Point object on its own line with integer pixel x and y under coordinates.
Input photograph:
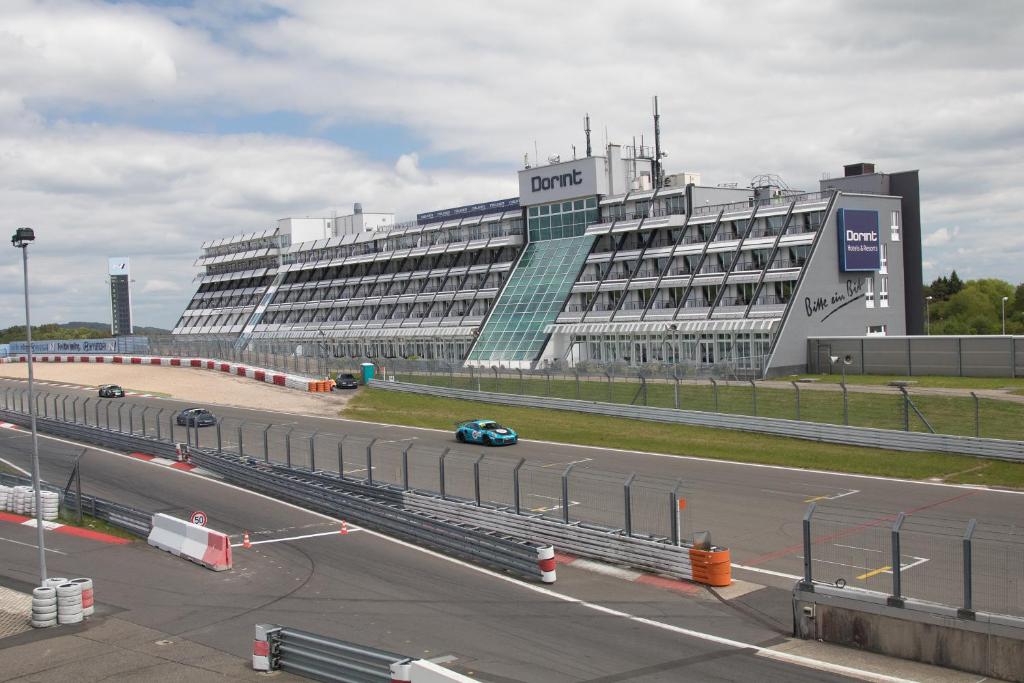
{"type": "Point", "coordinates": [848, 359]}
{"type": "Point", "coordinates": [1006, 298]}
{"type": "Point", "coordinates": [22, 236]}
{"type": "Point", "coordinates": [833, 359]}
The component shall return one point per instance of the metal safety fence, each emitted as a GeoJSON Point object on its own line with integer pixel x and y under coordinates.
{"type": "Point", "coordinates": [124, 517]}
{"type": "Point", "coordinates": [968, 564]}
{"type": "Point", "coordinates": [639, 505]}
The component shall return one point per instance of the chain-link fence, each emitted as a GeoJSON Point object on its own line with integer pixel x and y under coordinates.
{"type": "Point", "coordinates": [642, 506]}
{"type": "Point", "coordinates": [961, 563]}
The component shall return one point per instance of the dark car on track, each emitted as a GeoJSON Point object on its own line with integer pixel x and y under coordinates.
{"type": "Point", "coordinates": [346, 381]}
{"type": "Point", "coordinates": [487, 432]}
{"type": "Point", "coordinates": [111, 391]}
{"type": "Point", "coordinates": [196, 417]}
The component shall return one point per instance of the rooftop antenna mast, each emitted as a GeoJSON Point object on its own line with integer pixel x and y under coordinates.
{"type": "Point", "coordinates": [657, 144]}
{"type": "Point", "coordinates": [586, 130]}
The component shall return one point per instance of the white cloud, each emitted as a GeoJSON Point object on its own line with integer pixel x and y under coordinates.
{"type": "Point", "coordinates": [935, 86]}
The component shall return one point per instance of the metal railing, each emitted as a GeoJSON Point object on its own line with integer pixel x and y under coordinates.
{"type": "Point", "coordinates": [492, 499]}
{"type": "Point", "coordinates": [133, 520]}
{"type": "Point", "coordinates": [1002, 449]}
{"type": "Point", "coordinates": [966, 564]}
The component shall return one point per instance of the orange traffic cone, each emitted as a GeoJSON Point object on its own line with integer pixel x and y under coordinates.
{"type": "Point", "coordinates": [344, 527]}
{"type": "Point", "coordinates": [245, 540]}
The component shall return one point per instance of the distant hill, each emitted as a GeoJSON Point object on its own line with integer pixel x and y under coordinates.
{"type": "Point", "coordinates": [71, 330]}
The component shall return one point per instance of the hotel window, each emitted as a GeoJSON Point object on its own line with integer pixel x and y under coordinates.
{"type": "Point", "coordinates": [869, 295]}
{"type": "Point", "coordinates": [883, 293]}
{"type": "Point", "coordinates": [895, 227]}
{"type": "Point", "coordinates": [883, 267]}
{"type": "Point", "coordinates": [876, 330]}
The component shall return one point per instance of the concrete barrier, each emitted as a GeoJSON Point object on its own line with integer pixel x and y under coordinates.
{"type": "Point", "coordinates": [985, 644]}
{"type": "Point", "coordinates": [207, 547]}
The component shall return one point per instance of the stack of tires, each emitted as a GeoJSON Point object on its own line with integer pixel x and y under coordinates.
{"type": "Point", "coordinates": [51, 505]}
{"type": "Point", "coordinates": [5, 498]}
{"type": "Point", "coordinates": [69, 603]}
{"type": "Point", "coordinates": [44, 607]}
{"type": "Point", "coordinates": [23, 501]}
{"type": "Point", "coordinates": [88, 606]}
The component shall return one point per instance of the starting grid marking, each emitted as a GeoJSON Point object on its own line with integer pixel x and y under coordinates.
{"type": "Point", "coordinates": [553, 508]}
{"type": "Point", "coordinates": [869, 573]}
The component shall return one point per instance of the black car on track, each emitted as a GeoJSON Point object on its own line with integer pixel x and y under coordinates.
{"type": "Point", "coordinates": [196, 417]}
{"type": "Point", "coordinates": [111, 391]}
{"type": "Point", "coordinates": [346, 381]}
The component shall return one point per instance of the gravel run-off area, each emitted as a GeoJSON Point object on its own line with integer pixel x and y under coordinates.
{"type": "Point", "coordinates": [202, 387]}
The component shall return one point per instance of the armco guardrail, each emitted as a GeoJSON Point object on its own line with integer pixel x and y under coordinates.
{"type": "Point", "coordinates": [852, 436]}
{"type": "Point", "coordinates": [130, 519]}
{"type": "Point", "coordinates": [327, 659]}
{"type": "Point", "coordinates": [505, 551]}
{"type": "Point", "coordinates": [237, 369]}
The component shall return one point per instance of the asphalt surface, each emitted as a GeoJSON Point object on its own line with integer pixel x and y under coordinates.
{"type": "Point", "coordinates": [754, 510]}
{"type": "Point", "coordinates": [367, 589]}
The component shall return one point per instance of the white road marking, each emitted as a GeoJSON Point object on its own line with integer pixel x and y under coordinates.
{"type": "Point", "coordinates": [757, 649]}
{"type": "Point", "coordinates": [297, 538]}
{"type": "Point", "coordinates": [32, 545]}
{"type": "Point", "coordinates": [769, 572]}
{"type": "Point", "coordinates": [13, 466]}
{"type": "Point", "coordinates": [566, 464]}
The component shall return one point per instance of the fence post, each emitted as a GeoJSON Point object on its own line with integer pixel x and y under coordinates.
{"type": "Point", "coordinates": [188, 432]}
{"type": "Point", "coordinates": [341, 457]}
{"type": "Point", "coordinates": [440, 467]}
{"type": "Point", "coordinates": [266, 444]}
{"type": "Point", "coordinates": [565, 493]}
{"type": "Point", "coordinates": [64, 408]}
{"type": "Point", "coordinates": [78, 487]}
{"type": "Point", "coordinates": [522, 389]}
{"type": "Point", "coordinates": [673, 502]}
{"type": "Point", "coordinates": [74, 412]}
{"type": "Point", "coordinates": [369, 461]}
{"type": "Point", "coordinates": [142, 419]}
{"type": "Point", "coordinates": [159, 414]}
{"type": "Point", "coordinates": [312, 452]}
{"type": "Point", "coordinates": [577, 371]}
{"type": "Point", "coordinates": [609, 374]}
{"type": "Point", "coordinates": [675, 388]}
{"type": "Point", "coordinates": [241, 452]}
{"type": "Point", "coordinates": [906, 410]}
{"type": "Point", "coordinates": [108, 415]}
{"type": "Point", "coordinates": [797, 388]}
{"type": "Point", "coordinates": [131, 419]}
{"type": "Point", "coordinates": [627, 509]}
{"type": "Point", "coordinates": [288, 448]}
{"type": "Point", "coordinates": [714, 391]}
{"type": "Point", "coordinates": [515, 485]}
{"type": "Point", "coordinates": [977, 414]}
{"type": "Point", "coordinates": [896, 599]}
{"type": "Point", "coordinates": [753, 395]}
{"type": "Point", "coordinates": [476, 479]}
{"type": "Point", "coordinates": [808, 582]}
{"type": "Point", "coordinates": [967, 612]}
{"type": "Point", "coordinates": [846, 404]}
{"type": "Point", "coordinates": [405, 467]}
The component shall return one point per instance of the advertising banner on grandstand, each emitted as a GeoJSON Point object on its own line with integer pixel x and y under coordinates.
{"type": "Point", "coordinates": [859, 240]}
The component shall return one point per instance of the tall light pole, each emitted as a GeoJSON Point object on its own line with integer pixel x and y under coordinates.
{"type": "Point", "coordinates": [21, 239]}
{"type": "Point", "coordinates": [1005, 298]}
{"type": "Point", "coordinates": [927, 315]}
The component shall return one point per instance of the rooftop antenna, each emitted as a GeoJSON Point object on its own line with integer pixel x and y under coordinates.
{"type": "Point", "coordinates": [657, 144]}
{"type": "Point", "coordinates": [586, 131]}
{"type": "Point", "coordinates": [574, 152]}
{"type": "Point", "coordinates": [536, 155]}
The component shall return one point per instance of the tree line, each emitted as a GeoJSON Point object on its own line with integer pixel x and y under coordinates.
{"type": "Point", "coordinates": [974, 306]}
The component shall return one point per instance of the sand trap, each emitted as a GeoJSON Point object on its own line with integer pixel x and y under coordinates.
{"type": "Point", "coordinates": [202, 387]}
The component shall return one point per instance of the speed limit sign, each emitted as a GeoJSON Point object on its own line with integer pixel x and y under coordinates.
{"type": "Point", "coordinates": [198, 517]}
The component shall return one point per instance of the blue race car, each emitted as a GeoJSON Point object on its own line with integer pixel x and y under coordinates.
{"type": "Point", "coordinates": [487, 432]}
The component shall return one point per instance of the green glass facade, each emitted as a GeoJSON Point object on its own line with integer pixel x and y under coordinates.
{"type": "Point", "coordinates": [561, 219]}
{"type": "Point", "coordinates": [531, 300]}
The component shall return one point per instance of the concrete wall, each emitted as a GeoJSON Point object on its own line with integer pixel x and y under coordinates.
{"type": "Point", "coordinates": [966, 356]}
{"type": "Point", "coordinates": [987, 645]}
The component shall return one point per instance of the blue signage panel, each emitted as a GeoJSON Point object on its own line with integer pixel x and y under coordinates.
{"type": "Point", "coordinates": [468, 211]}
{"type": "Point", "coordinates": [859, 240]}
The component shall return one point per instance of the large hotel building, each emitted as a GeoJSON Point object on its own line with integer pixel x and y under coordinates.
{"type": "Point", "coordinates": [600, 259]}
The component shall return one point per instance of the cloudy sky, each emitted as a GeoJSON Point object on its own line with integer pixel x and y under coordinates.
{"type": "Point", "coordinates": [141, 129]}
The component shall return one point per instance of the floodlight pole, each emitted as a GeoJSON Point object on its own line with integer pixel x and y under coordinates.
{"type": "Point", "coordinates": [22, 244]}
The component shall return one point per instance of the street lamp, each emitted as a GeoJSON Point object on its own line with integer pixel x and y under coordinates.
{"type": "Point", "coordinates": [1005, 298]}
{"type": "Point", "coordinates": [927, 315]}
{"type": "Point", "coordinates": [21, 239]}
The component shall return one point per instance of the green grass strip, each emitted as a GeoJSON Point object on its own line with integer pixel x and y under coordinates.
{"type": "Point", "coordinates": [621, 433]}
{"type": "Point", "coordinates": [94, 524]}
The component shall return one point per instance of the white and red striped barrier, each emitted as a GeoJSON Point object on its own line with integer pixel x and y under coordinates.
{"type": "Point", "coordinates": [238, 369]}
{"type": "Point", "coordinates": [193, 542]}
{"type": "Point", "coordinates": [546, 562]}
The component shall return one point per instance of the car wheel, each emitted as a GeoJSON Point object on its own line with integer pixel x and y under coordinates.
{"type": "Point", "coordinates": [460, 437]}
{"type": "Point", "coordinates": [487, 440]}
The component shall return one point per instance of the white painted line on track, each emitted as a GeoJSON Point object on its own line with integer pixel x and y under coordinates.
{"type": "Point", "coordinates": [769, 572]}
{"type": "Point", "coordinates": [15, 467]}
{"type": "Point", "coordinates": [784, 657]}
{"type": "Point", "coordinates": [298, 538]}
{"type": "Point", "coordinates": [32, 545]}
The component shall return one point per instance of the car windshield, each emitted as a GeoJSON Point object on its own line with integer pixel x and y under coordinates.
{"type": "Point", "coordinates": [493, 426]}
{"type": "Point", "coordinates": [348, 376]}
